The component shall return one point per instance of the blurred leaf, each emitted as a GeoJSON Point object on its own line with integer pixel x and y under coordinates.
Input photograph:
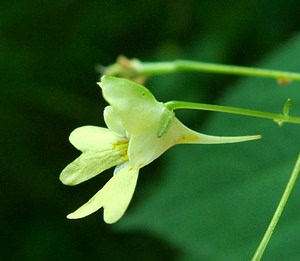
{"type": "Point", "coordinates": [215, 202]}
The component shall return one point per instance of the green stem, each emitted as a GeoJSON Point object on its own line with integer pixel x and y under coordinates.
{"type": "Point", "coordinates": [278, 118]}
{"type": "Point", "coordinates": [264, 242]}
{"type": "Point", "coordinates": [153, 68]}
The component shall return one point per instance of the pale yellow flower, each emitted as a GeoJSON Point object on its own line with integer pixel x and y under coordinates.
{"type": "Point", "coordinates": [139, 130]}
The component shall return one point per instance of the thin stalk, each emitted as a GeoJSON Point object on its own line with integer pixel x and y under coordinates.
{"type": "Point", "coordinates": [278, 118]}
{"type": "Point", "coordinates": [153, 68]}
{"type": "Point", "coordinates": [264, 242]}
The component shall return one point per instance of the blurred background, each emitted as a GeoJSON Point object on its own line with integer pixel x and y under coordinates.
{"type": "Point", "coordinates": [49, 52]}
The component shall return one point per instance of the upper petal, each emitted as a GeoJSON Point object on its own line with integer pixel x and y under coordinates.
{"type": "Point", "coordinates": [114, 197]}
{"type": "Point", "coordinates": [134, 104]}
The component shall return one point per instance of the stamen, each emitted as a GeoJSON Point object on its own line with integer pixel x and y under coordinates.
{"type": "Point", "coordinates": [122, 148]}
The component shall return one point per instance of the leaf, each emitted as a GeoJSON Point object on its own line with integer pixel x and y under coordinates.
{"type": "Point", "coordinates": [214, 202]}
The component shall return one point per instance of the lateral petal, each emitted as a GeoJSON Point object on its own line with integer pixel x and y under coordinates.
{"type": "Point", "coordinates": [94, 138]}
{"type": "Point", "coordinates": [114, 197]}
{"type": "Point", "coordinates": [93, 162]}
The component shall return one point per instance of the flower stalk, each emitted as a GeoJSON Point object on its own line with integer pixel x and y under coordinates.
{"type": "Point", "coordinates": [134, 68]}
{"type": "Point", "coordinates": [278, 118]}
{"type": "Point", "coordinates": [267, 236]}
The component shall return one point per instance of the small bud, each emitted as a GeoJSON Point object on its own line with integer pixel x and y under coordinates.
{"type": "Point", "coordinates": [286, 107]}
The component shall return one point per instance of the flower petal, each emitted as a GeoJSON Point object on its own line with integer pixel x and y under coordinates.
{"type": "Point", "coordinates": [94, 138]}
{"type": "Point", "coordinates": [113, 121]}
{"type": "Point", "coordinates": [91, 163]}
{"type": "Point", "coordinates": [114, 197]}
{"type": "Point", "coordinates": [135, 105]}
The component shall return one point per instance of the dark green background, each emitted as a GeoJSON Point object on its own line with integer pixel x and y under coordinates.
{"type": "Point", "coordinates": [48, 54]}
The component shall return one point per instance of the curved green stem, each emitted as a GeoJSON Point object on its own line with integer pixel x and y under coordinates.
{"type": "Point", "coordinates": [133, 68]}
{"type": "Point", "coordinates": [238, 70]}
{"type": "Point", "coordinates": [184, 65]}
{"type": "Point", "coordinates": [278, 118]}
{"type": "Point", "coordinates": [264, 242]}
